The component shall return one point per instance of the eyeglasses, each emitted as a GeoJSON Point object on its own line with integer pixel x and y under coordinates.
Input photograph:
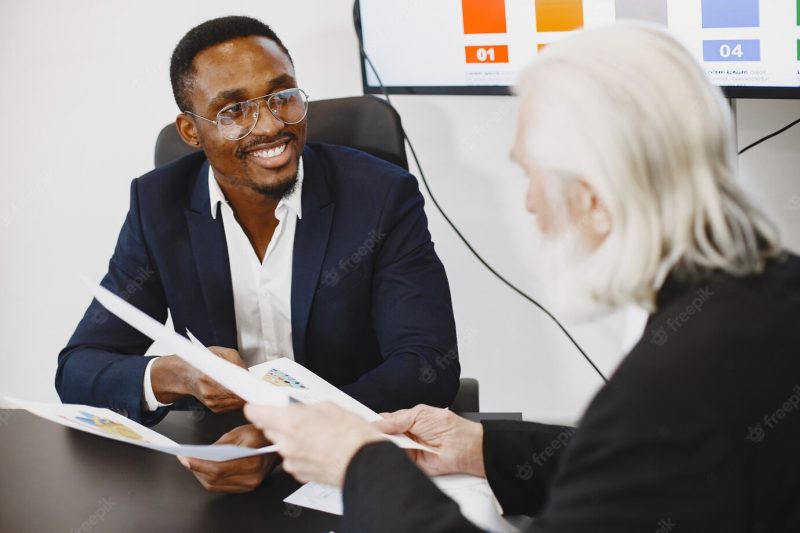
{"type": "Point", "coordinates": [236, 121]}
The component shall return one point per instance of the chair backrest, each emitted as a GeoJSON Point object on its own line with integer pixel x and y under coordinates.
{"type": "Point", "coordinates": [468, 398]}
{"type": "Point", "coordinates": [365, 123]}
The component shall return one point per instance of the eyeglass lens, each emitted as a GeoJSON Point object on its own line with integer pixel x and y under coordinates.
{"type": "Point", "coordinates": [237, 120]}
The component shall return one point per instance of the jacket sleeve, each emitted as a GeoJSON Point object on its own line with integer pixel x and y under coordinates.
{"type": "Point", "coordinates": [646, 459]}
{"type": "Point", "coordinates": [412, 313]}
{"type": "Point", "coordinates": [384, 491]}
{"type": "Point", "coordinates": [103, 363]}
{"type": "Point", "coordinates": [520, 460]}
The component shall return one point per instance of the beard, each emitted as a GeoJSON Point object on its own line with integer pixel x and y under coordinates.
{"type": "Point", "coordinates": [284, 187]}
{"type": "Point", "coordinates": [278, 191]}
{"type": "Point", "coordinates": [571, 285]}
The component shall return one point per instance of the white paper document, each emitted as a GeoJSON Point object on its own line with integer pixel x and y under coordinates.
{"type": "Point", "coordinates": [473, 495]}
{"type": "Point", "coordinates": [111, 425]}
{"type": "Point", "coordinates": [236, 379]}
{"type": "Point", "coordinates": [247, 385]}
{"type": "Point", "coordinates": [305, 386]}
{"type": "Point", "coordinates": [273, 383]}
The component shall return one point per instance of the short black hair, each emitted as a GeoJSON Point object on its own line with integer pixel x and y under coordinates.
{"type": "Point", "coordinates": [206, 35]}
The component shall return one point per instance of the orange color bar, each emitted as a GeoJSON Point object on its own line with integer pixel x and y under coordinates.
{"type": "Point", "coordinates": [559, 15]}
{"type": "Point", "coordinates": [484, 16]}
{"type": "Point", "coordinates": [487, 54]}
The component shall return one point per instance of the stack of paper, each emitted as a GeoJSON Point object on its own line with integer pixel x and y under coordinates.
{"type": "Point", "coordinates": [274, 383]}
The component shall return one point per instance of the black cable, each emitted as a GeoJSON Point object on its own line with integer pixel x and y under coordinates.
{"type": "Point", "coordinates": [768, 137]}
{"type": "Point", "coordinates": [491, 269]}
{"type": "Point", "coordinates": [453, 226]}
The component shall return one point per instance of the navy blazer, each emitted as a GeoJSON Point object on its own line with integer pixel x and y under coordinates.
{"type": "Point", "coordinates": [371, 309]}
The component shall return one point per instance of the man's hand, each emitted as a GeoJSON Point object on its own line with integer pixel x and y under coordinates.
{"type": "Point", "coordinates": [458, 441]}
{"type": "Point", "coordinates": [238, 475]}
{"type": "Point", "coordinates": [172, 378]}
{"type": "Point", "coordinates": [316, 441]}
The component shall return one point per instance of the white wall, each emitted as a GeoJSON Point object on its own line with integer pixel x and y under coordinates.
{"type": "Point", "coordinates": [86, 89]}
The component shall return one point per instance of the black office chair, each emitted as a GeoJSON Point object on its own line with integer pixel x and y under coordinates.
{"type": "Point", "coordinates": [468, 397]}
{"type": "Point", "coordinates": [366, 123]}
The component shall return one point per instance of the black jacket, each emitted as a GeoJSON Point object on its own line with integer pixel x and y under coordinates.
{"type": "Point", "coordinates": [697, 431]}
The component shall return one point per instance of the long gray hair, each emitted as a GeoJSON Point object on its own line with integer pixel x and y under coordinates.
{"type": "Point", "coordinates": [628, 110]}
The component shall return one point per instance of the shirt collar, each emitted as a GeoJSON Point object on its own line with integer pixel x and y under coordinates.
{"type": "Point", "coordinates": [293, 202]}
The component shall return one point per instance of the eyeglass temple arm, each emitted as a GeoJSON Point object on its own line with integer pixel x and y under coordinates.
{"type": "Point", "coordinates": [199, 116]}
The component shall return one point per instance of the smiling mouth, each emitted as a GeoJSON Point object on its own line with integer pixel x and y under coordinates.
{"type": "Point", "coordinates": [270, 156]}
{"type": "Point", "coordinates": [270, 152]}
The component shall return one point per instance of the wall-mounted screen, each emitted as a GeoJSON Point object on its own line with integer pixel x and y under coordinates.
{"type": "Point", "coordinates": [751, 48]}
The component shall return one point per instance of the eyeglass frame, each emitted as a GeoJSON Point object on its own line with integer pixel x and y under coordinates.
{"type": "Point", "coordinates": [269, 98]}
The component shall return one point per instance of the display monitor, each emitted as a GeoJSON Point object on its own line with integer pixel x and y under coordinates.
{"type": "Point", "coordinates": [750, 48]}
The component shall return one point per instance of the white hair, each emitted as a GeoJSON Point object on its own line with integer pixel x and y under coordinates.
{"type": "Point", "coordinates": [626, 109]}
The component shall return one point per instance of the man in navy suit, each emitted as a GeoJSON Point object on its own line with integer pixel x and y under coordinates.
{"type": "Point", "coordinates": [264, 247]}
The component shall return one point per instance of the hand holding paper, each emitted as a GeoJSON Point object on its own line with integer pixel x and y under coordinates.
{"type": "Point", "coordinates": [236, 379]}
{"type": "Point", "coordinates": [316, 441]}
{"type": "Point", "coordinates": [459, 441]}
{"type": "Point", "coordinates": [242, 475]}
{"type": "Point", "coordinates": [239, 381]}
{"type": "Point", "coordinates": [172, 378]}
{"type": "Point", "coordinates": [269, 384]}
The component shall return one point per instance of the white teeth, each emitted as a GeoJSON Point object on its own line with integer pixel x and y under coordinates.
{"type": "Point", "coordinates": [272, 152]}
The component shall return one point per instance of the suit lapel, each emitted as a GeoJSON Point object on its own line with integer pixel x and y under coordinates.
{"type": "Point", "coordinates": [210, 250]}
{"type": "Point", "coordinates": [310, 244]}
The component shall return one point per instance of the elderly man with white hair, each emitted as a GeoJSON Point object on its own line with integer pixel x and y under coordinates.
{"type": "Point", "coordinates": [633, 182]}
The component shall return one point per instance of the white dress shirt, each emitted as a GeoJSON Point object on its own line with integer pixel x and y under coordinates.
{"type": "Point", "coordinates": [262, 290]}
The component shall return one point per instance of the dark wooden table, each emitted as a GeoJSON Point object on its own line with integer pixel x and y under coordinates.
{"type": "Point", "coordinates": [60, 479]}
